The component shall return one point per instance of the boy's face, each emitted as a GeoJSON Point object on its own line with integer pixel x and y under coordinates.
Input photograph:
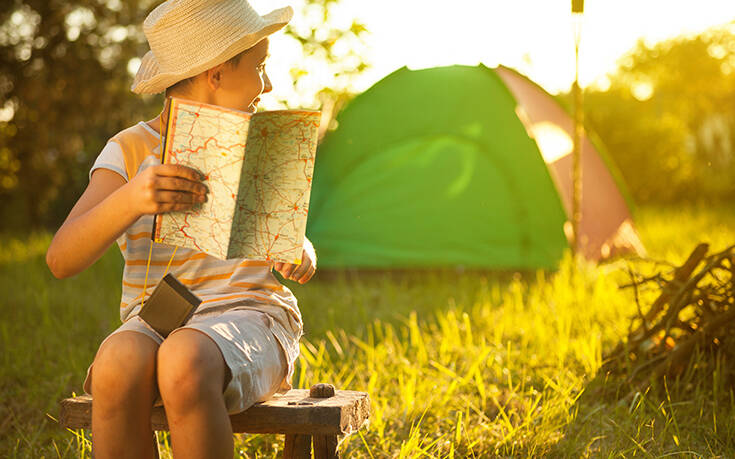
{"type": "Point", "coordinates": [241, 86]}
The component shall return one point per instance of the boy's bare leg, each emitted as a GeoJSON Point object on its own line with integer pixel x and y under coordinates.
{"type": "Point", "coordinates": [123, 392]}
{"type": "Point", "coordinates": [191, 377]}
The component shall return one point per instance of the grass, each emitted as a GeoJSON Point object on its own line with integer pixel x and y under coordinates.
{"type": "Point", "coordinates": [471, 364]}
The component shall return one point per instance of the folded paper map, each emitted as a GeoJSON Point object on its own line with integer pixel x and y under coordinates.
{"type": "Point", "coordinates": [258, 169]}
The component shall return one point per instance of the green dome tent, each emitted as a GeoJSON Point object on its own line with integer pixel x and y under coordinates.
{"type": "Point", "coordinates": [458, 166]}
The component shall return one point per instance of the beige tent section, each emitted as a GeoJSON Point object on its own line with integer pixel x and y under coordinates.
{"type": "Point", "coordinates": [606, 227]}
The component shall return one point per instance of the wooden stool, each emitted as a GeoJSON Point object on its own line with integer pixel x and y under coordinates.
{"type": "Point", "coordinates": [307, 417]}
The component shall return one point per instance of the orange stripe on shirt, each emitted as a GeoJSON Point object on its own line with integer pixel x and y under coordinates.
{"type": "Point", "coordinates": [254, 263]}
{"type": "Point", "coordinates": [196, 280]}
{"type": "Point", "coordinates": [231, 297]}
{"type": "Point", "coordinates": [176, 262]}
{"type": "Point", "coordinates": [140, 235]}
{"type": "Point", "coordinates": [255, 285]}
{"type": "Point", "coordinates": [140, 286]}
{"type": "Point", "coordinates": [199, 280]}
{"type": "Point", "coordinates": [200, 255]}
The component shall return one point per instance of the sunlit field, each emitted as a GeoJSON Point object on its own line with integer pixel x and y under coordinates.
{"type": "Point", "coordinates": [457, 364]}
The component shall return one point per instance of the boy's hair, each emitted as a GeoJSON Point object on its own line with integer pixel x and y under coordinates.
{"type": "Point", "coordinates": [184, 84]}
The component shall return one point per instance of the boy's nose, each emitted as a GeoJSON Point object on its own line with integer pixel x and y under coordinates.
{"type": "Point", "coordinates": [267, 86]}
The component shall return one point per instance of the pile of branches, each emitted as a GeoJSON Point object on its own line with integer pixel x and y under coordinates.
{"type": "Point", "coordinates": [694, 312]}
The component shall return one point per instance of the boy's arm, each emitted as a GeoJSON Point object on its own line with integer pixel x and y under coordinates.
{"type": "Point", "coordinates": [80, 241]}
{"type": "Point", "coordinates": [109, 205]}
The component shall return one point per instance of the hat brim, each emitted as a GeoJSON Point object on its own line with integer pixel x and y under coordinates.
{"type": "Point", "coordinates": [150, 80]}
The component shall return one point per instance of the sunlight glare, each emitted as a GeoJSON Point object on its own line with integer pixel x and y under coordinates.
{"type": "Point", "coordinates": [642, 90]}
{"type": "Point", "coordinates": [553, 141]}
{"type": "Point", "coordinates": [535, 37]}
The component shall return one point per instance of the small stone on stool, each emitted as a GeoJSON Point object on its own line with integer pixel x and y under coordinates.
{"type": "Point", "coordinates": [321, 390]}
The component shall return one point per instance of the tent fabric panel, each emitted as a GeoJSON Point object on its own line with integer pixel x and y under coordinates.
{"type": "Point", "coordinates": [424, 222]}
{"type": "Point", "coordinates": [604, 209]}
{"type": "Point", "coordinates": [408, 104]}
{"type": "Point", "coordinates": [434, 103]}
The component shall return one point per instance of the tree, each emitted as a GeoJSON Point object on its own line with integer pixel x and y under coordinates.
{"type": "Point", "coordinates": [668, 118]}
{"type": "Point", "coordinates": [64, 83]}
{"type": "Point", "coordinates": [338, 50]}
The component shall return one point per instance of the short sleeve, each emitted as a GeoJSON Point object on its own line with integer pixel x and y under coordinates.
{"type": "Point", "coordinates": [111, 157]}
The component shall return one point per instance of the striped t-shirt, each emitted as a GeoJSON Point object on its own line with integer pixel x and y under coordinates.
{"type": "Point", "coordinates": [221, 284]}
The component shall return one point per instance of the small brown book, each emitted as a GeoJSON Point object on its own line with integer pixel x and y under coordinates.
{"type": "Point", "coordinates": [170, 306]}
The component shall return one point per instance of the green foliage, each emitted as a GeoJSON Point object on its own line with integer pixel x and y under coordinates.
{"type": "Point", "coordinates": [64, 83]}
{"type": "Point", "coordinates": [331, 59]}
{"type": "Point", "coordinates": [64, 91]}
{"type": "Point", "coordinates": [336, 47]}
{"type": "Point", "coordinates": [472, 364]}
{"type": "Point", "coordinates": [668, 118]}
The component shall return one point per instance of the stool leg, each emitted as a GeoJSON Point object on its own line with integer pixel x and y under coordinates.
{"type": "Point", "coordinates": [297, 447]}
{"type": "Point", "coordinates": [325, 446]}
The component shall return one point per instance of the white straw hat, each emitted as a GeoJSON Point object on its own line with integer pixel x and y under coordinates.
{"type": "Point", "coordinates": [187, 37]}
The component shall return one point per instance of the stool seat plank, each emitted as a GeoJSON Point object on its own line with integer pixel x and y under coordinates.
{"type": "Point", "coordinates": [294, 412]}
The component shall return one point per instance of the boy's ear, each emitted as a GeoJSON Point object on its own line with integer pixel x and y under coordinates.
{"type": "Point", "coordinates": [214, 77]}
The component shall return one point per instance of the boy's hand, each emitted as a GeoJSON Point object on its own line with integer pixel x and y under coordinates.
{"type": "Point", "coordinates": [165, 188]}
{"type": "Point", "coordinates": [303, 272]}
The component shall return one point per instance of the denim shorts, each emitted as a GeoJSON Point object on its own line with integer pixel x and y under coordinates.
{"type": "Point", "coordinates": [255, 358]}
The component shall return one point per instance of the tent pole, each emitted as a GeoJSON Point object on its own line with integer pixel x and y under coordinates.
{"type": "Point", "coordinates": [577, 10]}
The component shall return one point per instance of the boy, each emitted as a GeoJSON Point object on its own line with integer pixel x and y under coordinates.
{"type": "Point", "coordinates": [240, 346]}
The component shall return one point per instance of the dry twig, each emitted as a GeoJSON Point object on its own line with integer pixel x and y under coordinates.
{"type": "Point", "coordinates": [694, 310]}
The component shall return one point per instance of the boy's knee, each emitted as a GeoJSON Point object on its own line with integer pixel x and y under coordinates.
{"type": "Point", "coordinates": [124, 364]}
{"type": "Point", "coordinates": [190, 365]}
